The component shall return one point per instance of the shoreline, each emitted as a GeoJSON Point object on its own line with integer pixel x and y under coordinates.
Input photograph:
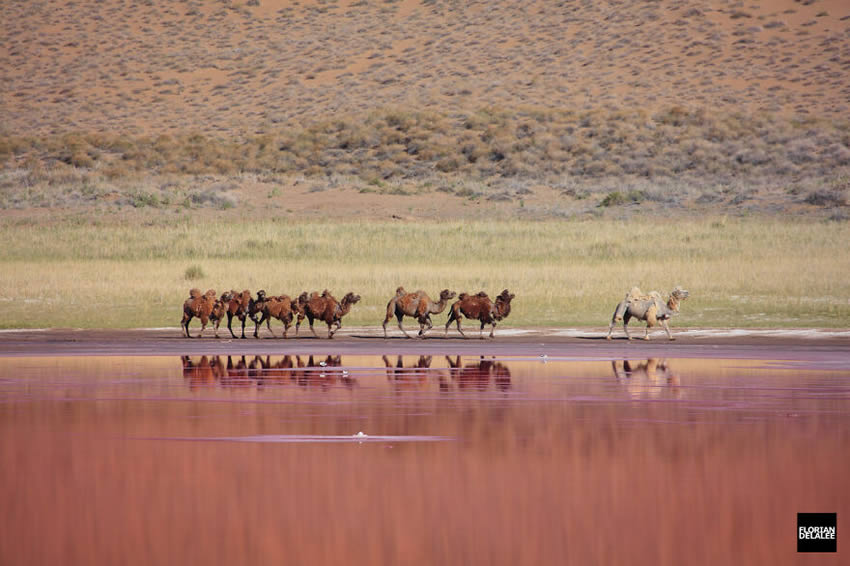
{"type": "Point", "coordinates": [826, 348]}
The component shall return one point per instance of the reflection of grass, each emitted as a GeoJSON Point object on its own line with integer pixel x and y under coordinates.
{"type": "Point", "coordinates": [740, 272]}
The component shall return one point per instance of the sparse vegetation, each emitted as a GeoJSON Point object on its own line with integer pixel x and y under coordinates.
{"type": "Point", "coordinates": [398, 146]}
{"type": "Point", "coordinates": [757, 272]}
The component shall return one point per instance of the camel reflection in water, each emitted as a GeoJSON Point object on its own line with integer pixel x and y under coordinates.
{"type": "Point", "coordinates": [261, 371]}
{"type": "Point", "coordinates": [408, 378]}
{"type": "Point", "coordinates": [418, 376]}
{"type": "Point", "coordinates": [478, 375]}
{"type": "Point", "coordinates": [325, 372]}
{"type": "Point", "coordinates": [651, 378]}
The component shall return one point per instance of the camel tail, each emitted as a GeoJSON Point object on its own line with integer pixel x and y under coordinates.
{"type": "Point", "coordinates": [620, 311]}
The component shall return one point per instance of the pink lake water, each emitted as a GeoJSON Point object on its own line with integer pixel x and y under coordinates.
{"type": "Point", "coordinates": [359, 459]}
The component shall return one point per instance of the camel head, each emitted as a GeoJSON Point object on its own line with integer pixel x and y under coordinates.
{"type": "Point", "coordinates": [680, 293]}
{"type": "Point", "coordinates": [505, 296]}
{"type": "Point", "coordinates": [400, 292]}
{"type": "Point", "coordinates": [261, 296]}
{"type": "Point", "coordinates": [210, 294]}
{"type": "Point", "coordinates": [445, 295]}
{"type": "Point", "coordinates": [350, 299]}
{"type": "Point", "coordinates": [677, 295]}
{"type": "Point", "coordinates": [503, 304]}
{"type": "Point", "coordinates": [226, 297]}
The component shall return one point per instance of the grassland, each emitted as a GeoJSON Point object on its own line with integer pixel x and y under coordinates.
{"type": "Point", "coordinates": [741, 272]}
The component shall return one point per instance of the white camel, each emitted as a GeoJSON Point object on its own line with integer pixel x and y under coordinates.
{"type": "Point", "coordinates": [650, 308]}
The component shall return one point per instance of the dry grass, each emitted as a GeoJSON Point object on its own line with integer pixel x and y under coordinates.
{"type": "Point", "coordinates": [752, 273]}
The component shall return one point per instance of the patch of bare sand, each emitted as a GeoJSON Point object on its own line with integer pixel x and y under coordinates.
{"type": "Point", "coordinates": [229, 69]}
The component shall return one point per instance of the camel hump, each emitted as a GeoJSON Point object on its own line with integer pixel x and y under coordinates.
{"type": "Point", "coordinates": [462, 296]}
{"type": "Point", "coordinates": [634, 294]}
{"type": "Point", "coordinates": [400, 291]}
{"type": "Point", "coordinates": [482, 294]}
{"type": "Point", "coordinates": [195, 293]}
{"type": "Point", "coordinates": [326, 293]}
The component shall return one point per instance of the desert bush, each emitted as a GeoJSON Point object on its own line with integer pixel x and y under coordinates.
{"type": "Point", "coordinates": [193, 273]}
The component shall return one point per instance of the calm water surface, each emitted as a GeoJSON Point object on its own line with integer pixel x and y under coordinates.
{"type": "Point", "coordinates": [406, 460]}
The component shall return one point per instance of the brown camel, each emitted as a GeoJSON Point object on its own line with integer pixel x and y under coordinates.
{"type": "Point", "coordinates": [480, 307]}
{"type": "Point", "coordinates": [200, 306]}
{"type": "Point", "coordinates": [298, 309]}
{"type": "Point", "coordinates": [243, 306]}
{"type": "Point", "coordinates": [417, 305]}
{"type": "Point", "coordinates": [326, 308]}
{"type": "Point", "coordinates": [220, 308]}
{"type": "Point", "coordinates": [281, 308]}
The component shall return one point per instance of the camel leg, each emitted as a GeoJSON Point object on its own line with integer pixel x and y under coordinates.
{"type": "Point", "coordinates": [427, 320]}
{"type": "Point", "coordinates": [298, 323]}
{"type": "Point", "coordinates": [217, 323]}
{"type": "Point", "coordinates": [626, 319]}
{"type": "Point", "coordinates": [481, 331]}
{"type": "Point", "coordinates": [331, 331]}
{"type": "Point", "coordinates": [243, 325]}
{"type": "Point", "coordinates": [458, 328]}
{"type": "Point", "coordinates": [185, 323]}
{"type": "Point", "coordinates": [492, 330]}
{"type": "Point", "coordinates": [313, 330]}
{"type": "Point", "coordinates": [230, 323]}
{"type": "Point", "coordinates": [400, 327]}
{"type": "Point", "coordinates": [286, 326]}
{"type": "Point", "coordinates": [611, 328]}
{"type": "Point", "coordinates": [257, 325]}
{"type": "Point", "coordinates": [204, 322]}
{"type": "Point", "coordinates": [646, 333]}
{"type": "Point", "coordinates": [667, 329]}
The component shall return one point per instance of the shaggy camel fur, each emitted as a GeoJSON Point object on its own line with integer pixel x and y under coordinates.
{"type": "Point", "coordinates": [243, 306]}
{"type": "Point", "coordinates": [480, 307]}
{"type": "Point", "coordinates": [281, 308]}
{"type": "Point", "coordinates": [298, 308]}
{"type": "Point", "coordinates": [326, 308]}
{"type": "Point", "coordinates": [219, 309]}
{"type": "Point", "coordinates": [417, 305]}
{"type": "Point", "coordinates": [200, 306]}
{"type": "Point", "coordinates": [650, 308]}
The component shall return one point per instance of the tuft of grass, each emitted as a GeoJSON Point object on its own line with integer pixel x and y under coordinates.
{"type": "Point", "coordinates": [194, 272]}
{"type": "Point", "coordinates": [617, 198]}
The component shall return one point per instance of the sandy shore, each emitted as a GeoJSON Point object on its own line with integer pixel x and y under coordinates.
{"type": "Point", "coordinates": [829, 348]}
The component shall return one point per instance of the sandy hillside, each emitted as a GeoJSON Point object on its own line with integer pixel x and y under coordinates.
{"type": "Point", "coordinates": [233, 68]}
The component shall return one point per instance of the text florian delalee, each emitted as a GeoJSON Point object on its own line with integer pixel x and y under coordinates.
{"type": "Point", "coordinates": [816, 533]}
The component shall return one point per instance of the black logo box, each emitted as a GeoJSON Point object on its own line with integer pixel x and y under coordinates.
{"type": "Point", "coordinates": [826, 543]}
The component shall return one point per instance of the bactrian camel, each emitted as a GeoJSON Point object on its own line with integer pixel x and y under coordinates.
{"type": "Point", "coordinates": [417, 305]}
{"type": "Point", "coordinates": [200, 306]}
{"type": "Point", "coordinates": [480, 307]}
{"type": "Point", "coordinates": [326, 308]}
{"type": "Point", "coordinates": [650, 308]}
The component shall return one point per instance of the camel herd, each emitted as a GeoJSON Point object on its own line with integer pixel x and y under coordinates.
{"type": "Point", "coordinates": [211, 308]}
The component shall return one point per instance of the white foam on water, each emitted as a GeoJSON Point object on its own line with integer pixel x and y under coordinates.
{"type": "Point", "coordinates": [321, 438]}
